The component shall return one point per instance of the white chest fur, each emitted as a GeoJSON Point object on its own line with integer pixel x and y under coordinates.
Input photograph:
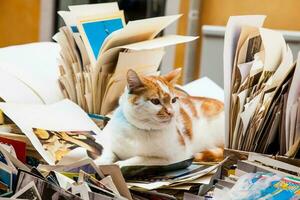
{"type": "Point", "coordinates": [128, 141]}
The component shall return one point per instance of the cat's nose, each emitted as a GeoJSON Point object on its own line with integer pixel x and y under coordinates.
{"type": "Point", "coordinates": [170, 112]}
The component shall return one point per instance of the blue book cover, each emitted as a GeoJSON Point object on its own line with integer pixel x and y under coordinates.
{"type": "Point", "coordinates": [97, 32]}
{"type": "Point", "coordinates": [94, 31]}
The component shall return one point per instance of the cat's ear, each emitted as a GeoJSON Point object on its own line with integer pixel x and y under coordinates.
{"type": "Point", "coordinates": [133, 81]}
{"type": "Point", "coordinates": [173, 76]}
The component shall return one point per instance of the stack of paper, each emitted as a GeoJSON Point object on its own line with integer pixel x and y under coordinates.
{"type": "Point", "coordinates": [85, 180]}
{"type": "Point", "coordinates": [261, 88]}
{"type": "Point", "coordinates": [59, 134]}
{"type": "Point", "coordinates": [174, 179]}
{"type": "Point", "coordinates": [98, 47]}
{"type": "Point", "coordinates": [258, 177]}
{"type": "Point", "coordinates": [80, 180]}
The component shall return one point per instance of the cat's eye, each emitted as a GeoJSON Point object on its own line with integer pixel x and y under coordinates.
{"type": "Point", "coordinates": [174, 99]}
{"type": "Point", "coordinates": [155, 101]}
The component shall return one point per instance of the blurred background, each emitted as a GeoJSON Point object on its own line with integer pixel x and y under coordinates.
{"type": "Point", "coordinates": [24, 21]}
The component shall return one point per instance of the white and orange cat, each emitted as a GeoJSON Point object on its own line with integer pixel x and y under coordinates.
{"type": "Point", "coordinates": [157, 124]}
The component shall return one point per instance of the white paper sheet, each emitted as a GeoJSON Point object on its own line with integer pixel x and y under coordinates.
{"type": "Point", "coordinates": [64, 181]}
{"type": "Point", "coordinates": [293, 95]}
{"type": "Point", "coordinates": [245, 70]}
{"type": "Point", "coordinates": [249, 111]}
{"type": "Point", "coordinates": [160, 42]}
{"type": "Point", "coordinates": [274, 46]}
{"type": "Point", "coordinates": [95, 8]}
{"type": "Point", "coordinates": [137, 31]}
{"type": "Point", "coordinates": [206, 88]}
{"type": "Point", "coordinates": [232, 33]}
{"type": "Point", "coordinates": [13, 90]}
{"type": "Point", "coordinates": [283, 69]}
{"type": "Point", "coordinates": [36, 65]}
{"type": "Point", "coordinates": [241, 97]}
{"type": "Point", "coordinates": [62, 116]}
{"type": "Point", "coordinates": [292, 124]}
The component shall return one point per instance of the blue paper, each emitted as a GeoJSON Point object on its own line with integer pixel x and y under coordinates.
{"type": "Point", "coordinates": [6, 178]}
{"type": "Point", "coordinates": [74, 29]}
{"type": "Point", "coordinates": [97, 31]}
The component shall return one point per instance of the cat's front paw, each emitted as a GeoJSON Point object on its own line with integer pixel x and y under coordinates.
{"type": "Point", "coordinates": [122, 163]}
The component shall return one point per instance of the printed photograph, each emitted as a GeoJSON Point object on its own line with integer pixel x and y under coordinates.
{"type": "Point", "coordinates": [60, 143]}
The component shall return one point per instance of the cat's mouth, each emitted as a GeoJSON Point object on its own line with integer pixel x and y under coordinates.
{"type": "Point", "coordinates": [164, 121]}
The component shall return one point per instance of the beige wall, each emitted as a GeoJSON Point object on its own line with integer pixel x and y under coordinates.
{"type": "Point", "coordinates": [281, 14]}
{"type": "Point", "coordinates": [19, 21]}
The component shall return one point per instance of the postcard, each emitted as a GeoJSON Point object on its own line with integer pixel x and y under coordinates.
{"type": "Point", "coordinates": [59, 143]}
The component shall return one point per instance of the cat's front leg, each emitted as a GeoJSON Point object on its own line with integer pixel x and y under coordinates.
{"type": "Point", "coordinates": [107, 157]}
{"type": "Point", "coordinates": [142, 160]}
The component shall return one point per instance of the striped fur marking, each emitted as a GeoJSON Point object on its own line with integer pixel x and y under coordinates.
{"type": "Point", "coordinates": [190, 105]}
{"type": "Point", "coordinates": [180, 138]}
{"type": "Point", "coordinates": [210, 107]}
{"type": "Point", "coordinates": [187, 122]}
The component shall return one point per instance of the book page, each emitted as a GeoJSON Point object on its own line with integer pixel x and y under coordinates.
{"type": "Point", "coordinates": [13, 90]}
{"type": "Point", "coordinates": [274, 46]}
{"type": "Point", "coordinates": [160, 42]}
{"type": "Point", "coordinates": [137, 31]}
{"type": "Point", "coordinates": [94, 8]}
{"type": "Point", "coordinates": [70, 17]}
{"type": "Point", "coordinates": [36, 65]}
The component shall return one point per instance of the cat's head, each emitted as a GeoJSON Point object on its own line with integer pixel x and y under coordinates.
{"type": "Point", "coordinates": [149, 102]}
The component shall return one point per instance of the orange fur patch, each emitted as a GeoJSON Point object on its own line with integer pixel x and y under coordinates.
{"type": "Point", "coordinates": [212, 155]}
{"type": "Point", "coordinates": [187, 122]}
{"type": "Point", "coordinates": [190, 104]}
{"type": "Point", "coordinates": [133, 99]}
{"type": "Point", "coordinates": [153, 90]}
{"type": "Point", "coordinates": [180, 138]}
{"type": "Point", "coordinates": [210, 107]}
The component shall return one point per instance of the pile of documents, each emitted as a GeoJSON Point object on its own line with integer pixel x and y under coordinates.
{"type": "Point", "coordinates": [80, 180]}
{"type": "Point", "coordinates": [98, 47]}
{"type": "Point", "coordinates": [48, 138]}
{"type": "Point", "coordinates": [261, 82]}
{"type": "Point", "coordinates": [85, 180]}
{"type": "Point", "coordinates": [256, 177]}
{"type": "Point", "coordinates": [172, 180]}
